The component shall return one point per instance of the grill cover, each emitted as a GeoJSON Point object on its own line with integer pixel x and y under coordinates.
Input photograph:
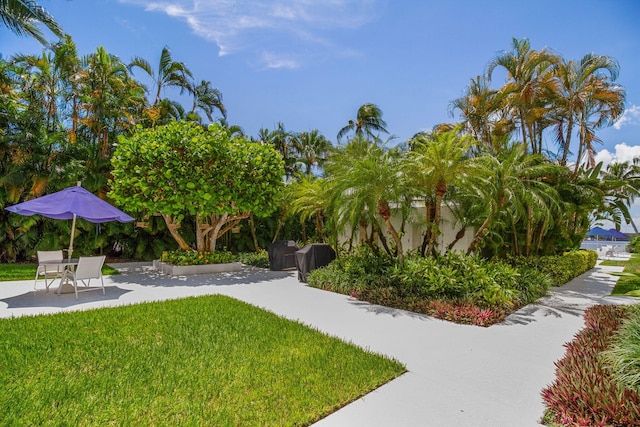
{"type": "Point", "coordinates": [282, 255]}
{"type": "Point", "coordinates": [313, 256]}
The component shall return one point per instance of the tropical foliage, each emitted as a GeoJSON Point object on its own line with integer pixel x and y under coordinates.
{"type": "Point", "coordinates": [180, 169]}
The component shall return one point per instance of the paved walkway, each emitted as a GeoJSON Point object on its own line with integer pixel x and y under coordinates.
{"type": "Point", "coordinates": [458, 375]}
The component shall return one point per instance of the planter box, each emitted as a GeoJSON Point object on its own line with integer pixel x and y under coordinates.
{"type": "Point", "coordinates": [186, 270]}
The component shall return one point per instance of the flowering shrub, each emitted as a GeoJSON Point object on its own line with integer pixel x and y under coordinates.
{"type": "Point", "coordinates": [197, 258]}
{"type": "Point", "coordinates": [585, 392]}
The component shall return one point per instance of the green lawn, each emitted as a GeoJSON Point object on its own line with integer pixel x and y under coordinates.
{"type": "Point", "coordinates": [28, 271]}
{"type": "Point", "coordinates": [197, 361]}
{"type": "Point", "coordinates": [628, 283]}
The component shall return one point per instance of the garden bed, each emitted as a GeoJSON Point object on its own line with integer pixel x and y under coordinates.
{"type": "Point", "coordinates": [187, 270]}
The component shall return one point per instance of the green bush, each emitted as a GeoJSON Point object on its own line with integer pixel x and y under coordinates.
{"type": "Point", "coordinates": [559, 268]}
{"type": "Point", "coordinates": [623, 357]}
{"type": "Point", "coordinates": [634, 244]}
{"type": "Point", "coordinates": [256, 259]}
{"type": "Point", "coordinates": [197, 258]}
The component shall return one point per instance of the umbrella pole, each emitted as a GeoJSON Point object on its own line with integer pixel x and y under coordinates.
{"type": "Point", "coordinates": [73, 229]}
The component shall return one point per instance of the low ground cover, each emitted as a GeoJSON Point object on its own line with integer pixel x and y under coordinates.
{"type": "Point", "coordinates": [597, 381]}
{"type": "Point", "coordinates": [197, 361]}
{"type": "Point", "coordinates": [456, 287]}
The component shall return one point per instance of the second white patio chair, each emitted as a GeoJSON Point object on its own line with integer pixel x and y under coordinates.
{"type": "Point", "coordinates": [49, 271]}
{"type": "Point", "coordinates": [89, 267]}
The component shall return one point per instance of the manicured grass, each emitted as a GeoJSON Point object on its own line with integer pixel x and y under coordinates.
{"type": "Point", "coordinates": [629, 281]}
{"type": "Point", "coordinates": [614, 262]}
{"type": "Point", "coordinates": [197, 361]}
{"type": "Point", "coordinates": [28, 271]}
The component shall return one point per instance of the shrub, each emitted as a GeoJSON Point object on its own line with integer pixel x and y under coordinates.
{"type": "Point", "coordinates": [584, 392]}
{"type": "Point", "coordinates": [197, 258]}
{"type": "Point", "coordinates": [454, 287]}
{"type": "Point", "coordinates": [634, 244]}
{"type": "Point", "coordinates": [623, 358]}
{"type": "Point", "coordinates": [559, 268]}
{"type": "Point", "coordinates": [256, 259]}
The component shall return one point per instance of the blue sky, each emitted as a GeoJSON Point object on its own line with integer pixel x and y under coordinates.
{"type": "Point", "coordinates": [311, 64]}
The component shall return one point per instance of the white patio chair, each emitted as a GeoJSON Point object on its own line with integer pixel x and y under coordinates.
{"type": "Point", "coordinates": [49, 271]}
{"type": "Point", "coordinates": [89, 267]}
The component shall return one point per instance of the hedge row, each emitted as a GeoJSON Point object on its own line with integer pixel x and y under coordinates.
{"type": "Point", "coordinates": [560, 268]}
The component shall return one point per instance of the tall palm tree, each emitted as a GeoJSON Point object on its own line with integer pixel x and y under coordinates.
{"type": "Point", "coordinates": [368, 120]}
{"type": "Point", "coordinates": [530, 83]}
{"type": "Point", "coordinates": [309, 198]}
{"type": "Point", "coordinates": [481, 111]}
{"type": "Point", "coordinates": [434, 164]}
{"type": "Point", "coordinates": [170, 73]}
{"type": "Point", "coordinates": [602, 108]}
{"type": "Point", "coordinates": [578, 84]}
{"type": "Point", "coordinates": [207, 99]}
{"type": "Point", "coordinates": [312, 148]}
{"type": "Point", "coordinates": [23, 16]}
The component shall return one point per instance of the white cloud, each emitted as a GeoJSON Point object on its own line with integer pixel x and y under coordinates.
{"type": "Point", "coordinates": [623, 153]}
{"type": "Point", "coordinates": [631, 116]}
{"type": "Point", "coordinates": [272, 60]}
{"type": "Point", "coordinates": [263, 25]}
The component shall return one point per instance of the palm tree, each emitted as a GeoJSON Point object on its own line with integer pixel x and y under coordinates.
{"type": "Point", "coordinates": [481, 112]}
{"type": "Point", "coordinates": [530, 83]}
{"type": "Point", "coordinates": [23, 16]}
{"type": "Point", "coordinates": [309, 199]}
{"type": "Point", "coordinates": [170, 73]}
{"type": "Point", "coordinates": [512, 180]}
{"type": "Point", "coordinates": [312, 148]}
{"type": "Point", "coordinates": [624, 179]}
{"type": "Point", "coordinates": [578, 86]}
{"type": "Point", "coordinates": [207, 99]}
{"type": "Point", "coordinates": [602, 108]}
{"type": "Point", "coordinates": [366, 183]}
{"type": "Point", "coordinates": [368, 120]}
{"type": "Point", "coordinates": [434, 164]}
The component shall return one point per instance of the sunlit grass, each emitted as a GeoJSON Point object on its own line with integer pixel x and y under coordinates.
{"type": "Point", "coordinates": [9, 272]}
{"type": "Point", "coordinates": [629, 281]}
{"type": "Point", "coordinates": [197, 361]}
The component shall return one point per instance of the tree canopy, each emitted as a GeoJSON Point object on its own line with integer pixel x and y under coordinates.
{"type": "Point", "coordinates": [181, 170]}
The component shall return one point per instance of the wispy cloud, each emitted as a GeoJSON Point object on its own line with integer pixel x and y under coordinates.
{"type": "Point", "coordinates": [288, 27]}
{"type": "Point", "coordinates": [631, 116]}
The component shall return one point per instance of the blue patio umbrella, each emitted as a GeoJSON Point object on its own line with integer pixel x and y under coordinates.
{"type": "Point", "coordinates": [598, 232]}
{"type": "Point", "coordinates": [70, 203]}
{"type": "Point", "coordinates": [618, 235]}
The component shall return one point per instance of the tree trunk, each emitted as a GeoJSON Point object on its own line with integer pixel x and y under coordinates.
{"type": "Point", "coordinates": [459, 235]}
{"type": "Point", "coordinates": [385, 212]}
{"type": "Point", "coordinates": [279, 226]}
{"type": "Point", "coordinates": [252, 227]}
{"type": "Point", "coordinates": [173, 230]}
{"type": "Point", "coordinates": [567, 143]}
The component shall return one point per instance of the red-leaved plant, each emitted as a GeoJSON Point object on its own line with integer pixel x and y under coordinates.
{"type": "Point", "coordinates": [584, 392]}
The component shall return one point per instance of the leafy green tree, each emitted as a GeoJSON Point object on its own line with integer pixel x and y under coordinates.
{"type": "Point", "coordinates": [182, 170]}
{"type": "Point", "coordinates": [310, 199]}
{"type": "Point", "coordinates": [624, 179]}
{"type": "Point", "coordinates": [368, 120]}
{"type": "Point", "coordinates": [23, 16]}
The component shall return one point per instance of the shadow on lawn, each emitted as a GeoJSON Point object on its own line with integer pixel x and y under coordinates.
{"type": "Point", "coordinates": [147, 276]}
